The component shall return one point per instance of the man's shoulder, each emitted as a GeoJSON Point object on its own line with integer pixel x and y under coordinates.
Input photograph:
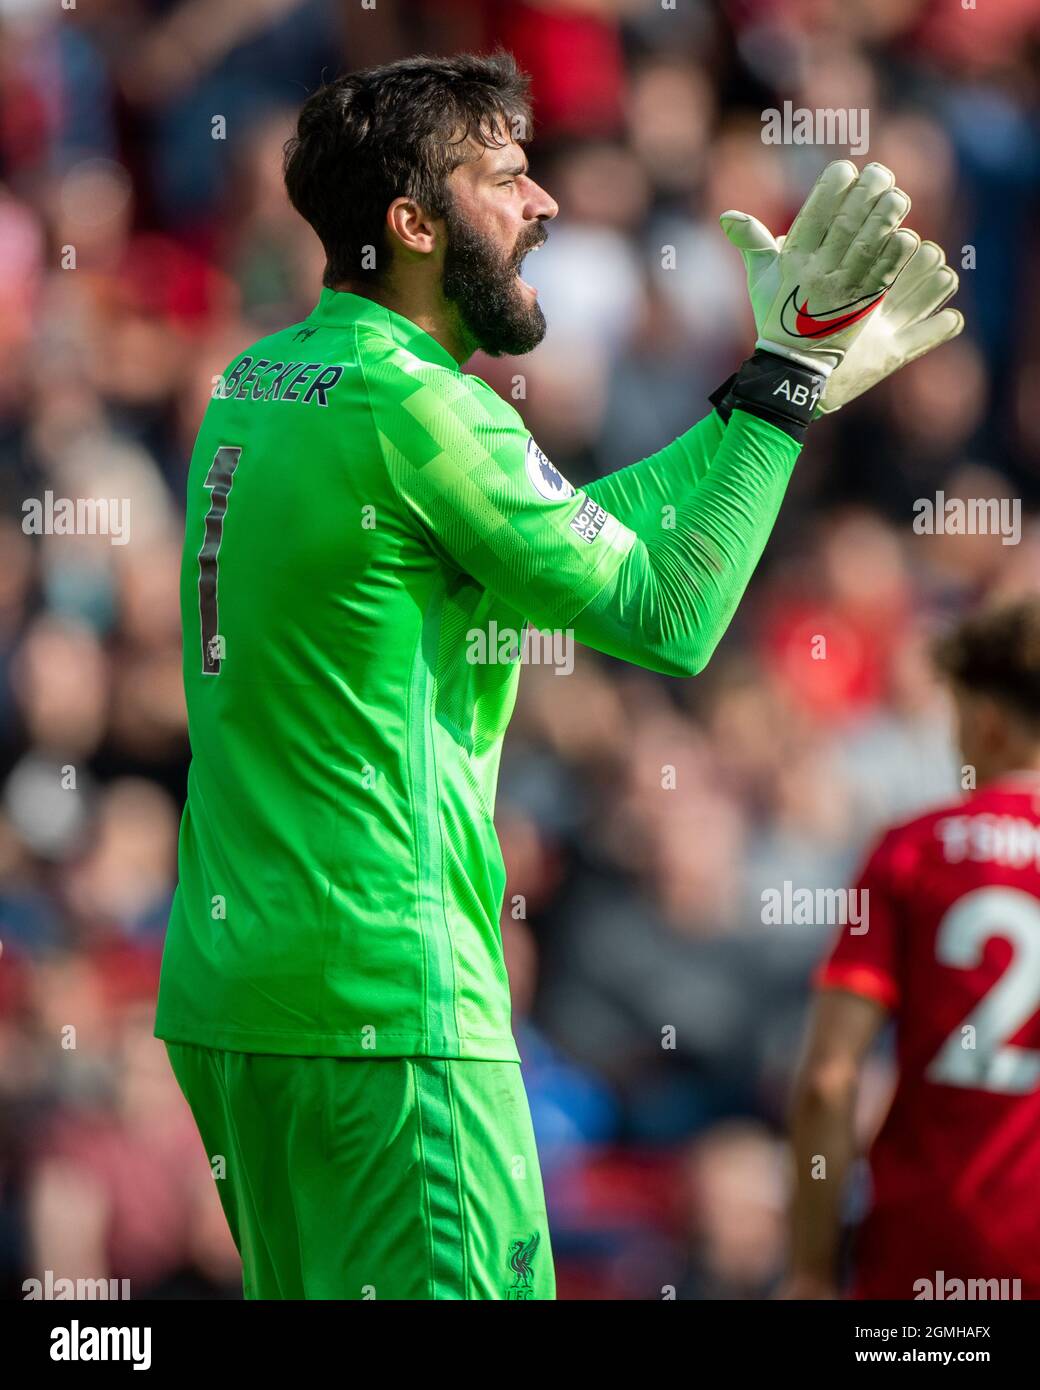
{"type": "Point", "coordinates": [387, 360]}
{"type": "Point", "coordinates": [272, 345]}
{"type": "Point", "coordinates": [285, 366]}
{"type": "Point", "coordinates": [900, 848]}
{"type": "Point", "coordinates": [956, 831]}
{"type": "Point", "coordinates": [395, 376]}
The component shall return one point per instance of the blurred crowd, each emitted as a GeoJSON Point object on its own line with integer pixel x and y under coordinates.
{"type": "Point", "coordinates": [145, 239]}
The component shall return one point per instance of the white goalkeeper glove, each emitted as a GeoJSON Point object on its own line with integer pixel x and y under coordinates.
{"type": "Point", "coordinates": [905, 326]}
{"type": "Point", "coordinates": [815, 292]}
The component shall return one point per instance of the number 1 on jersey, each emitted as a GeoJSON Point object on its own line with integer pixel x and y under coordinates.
{"type": "Point", "coordinates": [218, 480]}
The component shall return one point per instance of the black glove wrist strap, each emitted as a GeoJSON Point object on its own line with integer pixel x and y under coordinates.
{"type": "Point", "coordinates": [774, 388]}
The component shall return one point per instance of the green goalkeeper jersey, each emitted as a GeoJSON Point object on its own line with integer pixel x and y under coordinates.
{"type": "Point", "coordinates": [348, 686]}
{"type": "Point", "coordinates": [367, 530]}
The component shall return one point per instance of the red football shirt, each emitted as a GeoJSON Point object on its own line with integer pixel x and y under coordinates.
{"type": "Point", "coordinates": [952, 947]}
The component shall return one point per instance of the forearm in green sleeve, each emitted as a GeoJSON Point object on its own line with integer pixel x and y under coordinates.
{"type": "Point", "coordinates": [674, 594]}
{"type": "Point", "coordinates": [638, 495]}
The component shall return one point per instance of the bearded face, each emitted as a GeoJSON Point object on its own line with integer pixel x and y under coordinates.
{"type": "Point", "coordinates": [499, 311]}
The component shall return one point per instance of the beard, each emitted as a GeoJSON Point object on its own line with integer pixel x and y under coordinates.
{"type": "Point", "coordinates": [482, 285]}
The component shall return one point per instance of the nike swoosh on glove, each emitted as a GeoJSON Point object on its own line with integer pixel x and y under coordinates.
{"type": "Point", "coordinates": [814, 292]}
{"type": "Point", "coordinates": [909, 322]}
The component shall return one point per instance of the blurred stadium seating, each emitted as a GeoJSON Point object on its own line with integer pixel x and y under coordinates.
{"type": "Point", "coordinates": [665, 1165]}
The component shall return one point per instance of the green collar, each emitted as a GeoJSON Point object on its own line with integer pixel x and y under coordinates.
{"type": "Point", "coordinates": [338, 309]}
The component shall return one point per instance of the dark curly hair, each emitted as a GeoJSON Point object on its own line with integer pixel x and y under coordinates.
{"type": "Point", "coordinates": [394, 131]}
{"type": "Point", "coordinates": [996, 651]}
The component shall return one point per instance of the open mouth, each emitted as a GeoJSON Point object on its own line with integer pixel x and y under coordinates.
{"type": "Point", "coordinates": [519, 267]}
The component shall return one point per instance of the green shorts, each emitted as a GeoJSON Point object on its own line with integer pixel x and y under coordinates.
{"type": "Point", "coordinates": [399, 1178]}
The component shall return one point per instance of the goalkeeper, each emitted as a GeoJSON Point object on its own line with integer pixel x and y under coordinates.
{"type": "Point", "coordinates": [333, 994]}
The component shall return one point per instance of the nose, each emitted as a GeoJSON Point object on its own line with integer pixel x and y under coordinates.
{"type": "Point", "coordinates": [540, 204]}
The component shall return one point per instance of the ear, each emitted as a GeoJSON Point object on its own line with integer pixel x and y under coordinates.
{"type": "Point", "coordinates": [410, 227]}
{"type": "Point", "coordinates": [990, 720]}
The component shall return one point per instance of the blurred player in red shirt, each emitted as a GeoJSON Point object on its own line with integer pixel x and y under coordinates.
{"type": "Point", "coordinates": [952, 954]}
